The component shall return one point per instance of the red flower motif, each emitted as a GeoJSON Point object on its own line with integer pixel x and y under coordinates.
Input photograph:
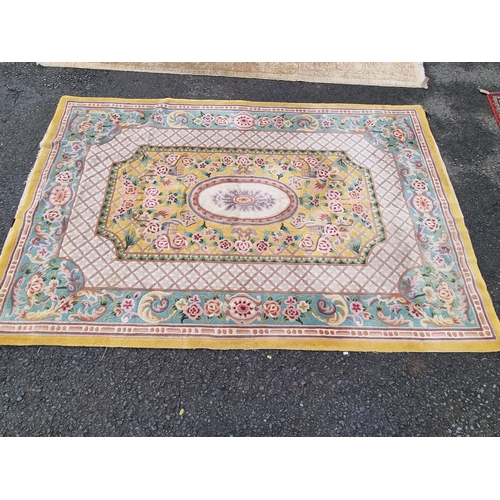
{"type": "Point", "coordinates": [221, 120]}
{"type": "Point", "coordinates": [187, 161]}
{"type": "Point", "coordinates": [278, 121]}
{"type": "Point", "coordinates": [243, 246]}
{"type": "Point", "coordinates": [161, 242]}
{"type": "Point", "coordinates": [213, 307]}
{"type": "Point", "coordinates": [243, 160]}
{"type": "Point", "coordinates": [172, 158]}
{"type": "Point", "coordinates": [179, 241]}
{"type": "Point", "coordinates": [312, 162]}
{"type": "Point", "coordinates": [193, 310]}
{"type": "Point", "coordinates": [127, 204]}
{"type": "Point", "coordinates": [272, 308]}
{"type": "Point", "coordinates": [225, 245]}
{"type": "Point", "coordinates": [333, 195]}
{"type": "Point", "coordinates": [419, 185]}
{"type": "Point", "coordinates": [356, 307]}
{"type": "Point", "coordinates": [324, 245]}
{"type": "Point", "coordinates": [227, 160]}
{"type": "Point", "coordinates": [66, 305]}
{"type": "Point", "coordinates": [431, 223]}
{"type": "Point", "coordinates": [415, 311]}
{"type": "Point", "coordinates": [307, 243]}
{"type": "Point", "coordinates": [323, 173]}
{"type": "Point", "coordinates": [336, 207]}
{"type": "Point", "coordinates": [331, 230]}
{"type": "Point", "coordinates": [291, 312]}
{"type": "Point", "coordinates": [52, 215]}
{"type": "Point", "coordinates": [161, 169]}
{"type": "Point", "coordinates": [399, 135]}
{"type": "Point", "coordinates": [264, 121]}
{"type": "Point", "coordinates": [35, 285]}
{"type": "Point", "coordinates": [357, 208]}
{"type": "Point", "coordinates": [153, 227]}
{"type": "Point", "coordinates": [150, 203]}
{"type": "Point", "coordinates": [152, 191]}
{"type": "Point", "coordinates": [262, 246]}
{"type": "Point", "coordinates": [63, 177]}
{"type": "Point", "coordinates": [85, 126]}
{"type": "Point", "coordinates": [127, 304]}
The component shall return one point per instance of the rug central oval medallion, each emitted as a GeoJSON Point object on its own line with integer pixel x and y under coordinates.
{"type": "Point", "coordinates": [243, 200]}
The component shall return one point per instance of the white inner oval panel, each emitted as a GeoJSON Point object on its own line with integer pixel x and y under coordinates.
{"type": "Point", "coordinates": [244, 200]}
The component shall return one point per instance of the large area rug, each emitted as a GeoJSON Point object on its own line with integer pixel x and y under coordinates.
{"type": "Point", "coordinates": [164, 223]}
{"type": "Point", "coordinates": [404, 74]}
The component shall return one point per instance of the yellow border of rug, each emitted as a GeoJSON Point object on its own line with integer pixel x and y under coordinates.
{"type": "Point", "coordinates": [293, 344]}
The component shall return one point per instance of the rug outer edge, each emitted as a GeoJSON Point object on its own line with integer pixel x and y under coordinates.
{"type": "Point", "coordinates": [345, 345]}
{"type": "Point", "coordinates": [292, 344]}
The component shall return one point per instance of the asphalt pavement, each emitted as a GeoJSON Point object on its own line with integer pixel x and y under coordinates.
{"type": "Point", "coordinates": [75, 391]}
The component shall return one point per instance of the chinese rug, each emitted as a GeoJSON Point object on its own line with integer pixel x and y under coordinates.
{"type": "Point", "coordinates": [232, 224]}
{"type": "Point", "coordinates": [404, 74]}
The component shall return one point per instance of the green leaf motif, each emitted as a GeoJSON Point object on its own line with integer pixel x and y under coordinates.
{"type": "Point", "coordinates": [130, 238]}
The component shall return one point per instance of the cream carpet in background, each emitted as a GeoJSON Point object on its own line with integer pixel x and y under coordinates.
{"type": "Point", "coordinates": [356, 73]}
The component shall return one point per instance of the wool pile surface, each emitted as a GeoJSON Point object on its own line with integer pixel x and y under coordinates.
{"type": "Point", "coordinates": [233, 224]}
